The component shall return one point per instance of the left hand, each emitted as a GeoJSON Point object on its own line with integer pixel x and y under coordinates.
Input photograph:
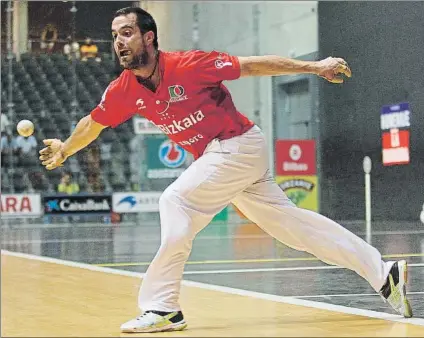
{"type": "Point", "coordinates": [331, 67]}
{"type": "Point", "coordinates": [52, 156]}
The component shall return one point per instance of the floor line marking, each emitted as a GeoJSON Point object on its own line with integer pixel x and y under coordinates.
{"type": "Point", "coordinates": [240, 292]}
{"type": "Point", "coordinates": [354, 295]}
{"type": "Point", "coordinates": [297, 268]}
{"type": "Point", "coordinates": [258, 260]}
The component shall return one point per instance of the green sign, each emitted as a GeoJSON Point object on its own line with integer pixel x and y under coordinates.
{"type": "Point", "coordinates": [165, 158]}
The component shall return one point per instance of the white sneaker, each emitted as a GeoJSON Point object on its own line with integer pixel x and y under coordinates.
{"type": "Point", "coordinates": [394, 291]}
{"type": "Point", "coordinates": [155, 321]}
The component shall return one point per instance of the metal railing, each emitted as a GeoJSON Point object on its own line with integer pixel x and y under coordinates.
{"type": "Point", "coordinates": [104, 46]}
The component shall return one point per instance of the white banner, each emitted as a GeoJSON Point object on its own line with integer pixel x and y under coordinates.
{"type": "Point", "coordinates": [144, 126]}
{"type": "Point", "coordinates": [123, 202]}
{"type": "Point", "coordinates": [20, 205]}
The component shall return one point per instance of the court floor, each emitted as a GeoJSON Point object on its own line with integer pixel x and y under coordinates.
{"type": "Point", "coordinates": [238, 282]}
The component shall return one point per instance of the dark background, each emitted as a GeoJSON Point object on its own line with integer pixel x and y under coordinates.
{"type": "Point", "coordinates": [93, 18]}
{"type": "Point", "coordinates": [384, 45]}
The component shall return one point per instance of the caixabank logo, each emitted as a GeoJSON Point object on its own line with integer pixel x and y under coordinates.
{"type": "Point", "coordinates": [77, 204]}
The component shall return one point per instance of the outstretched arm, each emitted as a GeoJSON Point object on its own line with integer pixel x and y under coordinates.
{"type": "Point", "coordinates": [271, 65]}
{"type": "Point", "coordinates": [56, 152]}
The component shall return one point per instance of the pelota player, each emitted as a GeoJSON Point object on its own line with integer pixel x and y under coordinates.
{"type": "Point", "coordinates": [183, 95]}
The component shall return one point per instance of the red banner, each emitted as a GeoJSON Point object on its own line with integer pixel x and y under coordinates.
{"type": "Point", "coordinates": [395, 147]}
{"type": "Point", "coordinates": [295, 157]}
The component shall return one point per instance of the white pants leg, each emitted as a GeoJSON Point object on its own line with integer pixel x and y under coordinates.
{"type": "Point", "coordinates": [237, 170]}
{"type": "Point", "coordinates": [189, 204]}
{"type": "Point", "coordinates": [265, 204]}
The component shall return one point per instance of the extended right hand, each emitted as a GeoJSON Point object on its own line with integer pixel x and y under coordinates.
{"type": "Point", "coordinates": [52, 156]}
{"type": "Point", "coordinates": [331, 68]}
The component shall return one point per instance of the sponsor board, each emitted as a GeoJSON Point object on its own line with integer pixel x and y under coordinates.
{"type": "Point", "coordinates": [395, 122]}
{"type": "Point", "coordinates": [77, 204]}
{"type": "Point", "coordinates": [302, 190]}
{"type": "Point", "coordinates": [165, 158]}
{"type": "Point", "coordinates": [295, 157]}
{"type": "Point", "coordinates": [144, 126]}
{"type": "Point", "coordinates": [20, 205]}
{"type": "Point", "coordinates": [133, 202]}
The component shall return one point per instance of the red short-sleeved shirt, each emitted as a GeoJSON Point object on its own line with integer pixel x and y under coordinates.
{"type": "Point", "coordinates": [191, 105]}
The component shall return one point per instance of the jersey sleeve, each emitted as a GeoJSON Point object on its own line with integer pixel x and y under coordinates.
{"type": "Point", "coordinates": [112, 110]}
{"type": "Point", "coordinates": [214, 67]}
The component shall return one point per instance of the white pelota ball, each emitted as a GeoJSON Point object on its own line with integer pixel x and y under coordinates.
{"type": "Point", "coordinates": [25, 128]}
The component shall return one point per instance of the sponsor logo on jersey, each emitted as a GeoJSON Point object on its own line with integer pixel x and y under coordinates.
{"type": "Point", "coordinates": [176, 93]}
{"type": "Point", "coordinates": [221, 64]}
{"type": "Point", "coordinates": [140, 104]}
{"type": "Point", "coordinates": [171, 154]}
{"type": "Point", "coordinates": [177, 126]}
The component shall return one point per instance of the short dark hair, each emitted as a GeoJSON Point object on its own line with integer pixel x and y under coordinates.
{"type": "Point", "coordinates": [67, 173]}
{"type": "Point", "coordinates": [145, 21]}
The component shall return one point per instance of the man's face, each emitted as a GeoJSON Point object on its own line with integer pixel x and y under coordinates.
{"type": "Point", "coordinates": [128, 42]}
{"type": "Point", "coordinates": [66, 179]}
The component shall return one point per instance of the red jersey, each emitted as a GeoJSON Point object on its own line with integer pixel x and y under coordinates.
{"type": "Point", "coordinates": [191, 105]}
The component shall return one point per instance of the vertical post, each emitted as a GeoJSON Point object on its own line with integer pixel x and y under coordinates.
{"type": "Point", "coordinates": [256, 51]}
{"type": "Point", "coordinates": [10, 104]}
{"type": "Point", "coordinates": [74, 103]}
{"type": "Point", "coordinates": [367, 170]}
{"type": "Point", "coordinates": [195, 27]}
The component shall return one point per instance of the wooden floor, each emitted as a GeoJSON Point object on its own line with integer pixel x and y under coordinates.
{"type": "Point", "coordinates": [42, 299]}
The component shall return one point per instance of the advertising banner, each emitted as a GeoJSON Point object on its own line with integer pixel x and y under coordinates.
{"type": "Point", "coordinates": [144, 126]}
{"type": "Point", "coordinates": [295, 168]}
{"type": "Point", "coordinates": [77, 204]}
{"type": "Point", "coordinates": [395, 124]}
{"type": "Point", "coordinates": [20, 205]}
{"type": "Point", "coordinates": [302, 190]}
{"type": "Point", "coordinates": [165, 158]}
{"type": "Point", "coordinates": [295, 157]}
{"type": "Point", "coordinates": [132, 202]}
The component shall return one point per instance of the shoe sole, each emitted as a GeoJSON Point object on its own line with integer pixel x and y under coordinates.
{"type": "Point", "coordinates": [168, 328]}
{"type": "Point", "coordinates": [404, 280]}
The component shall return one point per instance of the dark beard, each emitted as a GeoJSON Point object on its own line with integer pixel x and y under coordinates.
{"type": "Point", "coordinates": [139, 60]}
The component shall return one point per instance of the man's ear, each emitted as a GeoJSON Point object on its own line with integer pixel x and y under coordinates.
{"type": "Point", "coordinates": [148, 38]}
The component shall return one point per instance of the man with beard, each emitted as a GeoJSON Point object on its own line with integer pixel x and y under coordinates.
{"type": "Point", "coordinates": [183, 95]}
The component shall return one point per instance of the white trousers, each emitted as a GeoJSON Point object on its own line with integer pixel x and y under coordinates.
{"type": "Point", "coordinates": [236, 170]}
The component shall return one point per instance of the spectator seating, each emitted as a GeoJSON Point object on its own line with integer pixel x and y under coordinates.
{"type": "Point", "coordinates": [55, 93]}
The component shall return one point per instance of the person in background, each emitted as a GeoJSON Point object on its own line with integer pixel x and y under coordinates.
{"type": "Point", "coordinates": [8, 146]}
{"type": "Point", "coordinates": [89, 50]}
{"type": "Point", "coordinates": [26, 145]}
{"type": "Point", "coordinates": [67, 186]}
{"type": "Point", "coordinates": [5, 123]}
{"type": "Point", "coordinates": [71, 49]}
{"type": "Point", "coordinates": [48, 38]}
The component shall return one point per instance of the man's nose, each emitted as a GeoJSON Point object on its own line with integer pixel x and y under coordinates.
{"type": "Point", "coordinates": [119, 42]}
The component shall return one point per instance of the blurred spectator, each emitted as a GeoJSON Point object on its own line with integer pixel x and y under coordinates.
{"type": "Point", "coordinates": [8, 146]}
{"type": "Point", "coordinates": [71, 49]}
{"type": "Point", "coordinates": [48, 38]}
{"type": "Point", "coordinates": [92, 165]}
{"type": "Point", "coordinates": [135, 145]}
{"type": "Point", "coordinates": [105, 153]}
{"type": "Point", "coordinates": [5, 123]}
{"type": "Point", "coordinates": [66, 185]}
{"type": "Point", "coordinates": [89, 50]}
{"type": "Point", "coordinates": [26, 145]}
